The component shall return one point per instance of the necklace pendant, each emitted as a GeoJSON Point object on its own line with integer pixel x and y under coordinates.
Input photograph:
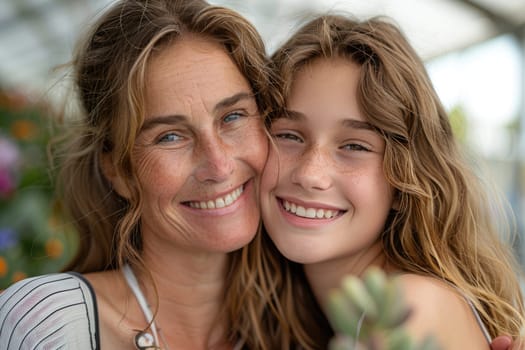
{"type": "Point", "coordinates": [145, 341]}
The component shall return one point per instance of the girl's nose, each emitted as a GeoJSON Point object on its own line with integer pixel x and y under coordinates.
{"type": "Point", "coordinates": [312, 171]}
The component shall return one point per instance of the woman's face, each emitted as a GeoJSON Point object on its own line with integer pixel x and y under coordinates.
{"type": "Point", "coordinates": [200, 151]}
{"type": "Point", "coordinates": [324, 193]}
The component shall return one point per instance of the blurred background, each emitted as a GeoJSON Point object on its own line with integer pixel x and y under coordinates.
{"type": "Point", "coordinates": [474, 51]}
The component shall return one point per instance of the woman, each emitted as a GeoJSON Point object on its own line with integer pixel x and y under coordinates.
{"type": "Point", "coordinates": [366, 172]}
{"type": "Point", "coordinates": [160, 177]}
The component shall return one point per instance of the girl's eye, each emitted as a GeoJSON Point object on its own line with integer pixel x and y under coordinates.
{"type": "Point", "coordinates": [355, 147]}
{"type": "Point", "coordinates": [287, 136]}
{"type": "Point", "coordinates": [232, 117]}
{"type": "Point", "coordinates": [169, 137]}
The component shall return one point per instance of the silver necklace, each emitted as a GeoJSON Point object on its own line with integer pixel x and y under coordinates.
{"type": "Point", "coordinates": [143, 339]}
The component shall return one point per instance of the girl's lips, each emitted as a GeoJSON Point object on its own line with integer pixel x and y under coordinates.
{"type": "Point", "coordinates": [309, 211]}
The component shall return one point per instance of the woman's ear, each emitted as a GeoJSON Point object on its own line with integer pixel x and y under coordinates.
{"type": "Point", "coordinates": [112, 175]}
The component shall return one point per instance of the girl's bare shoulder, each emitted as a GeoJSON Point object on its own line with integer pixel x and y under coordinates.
{"type": "Point", "coordinates": [441, 309]}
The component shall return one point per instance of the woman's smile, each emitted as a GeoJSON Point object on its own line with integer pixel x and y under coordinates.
{"type": "Point", "coordinates": [218, 202]}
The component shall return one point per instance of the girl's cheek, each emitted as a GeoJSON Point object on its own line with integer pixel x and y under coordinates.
{"type": "Point", "coordinates": [271, 170]}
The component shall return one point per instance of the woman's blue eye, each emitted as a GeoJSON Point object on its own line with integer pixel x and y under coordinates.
{"type": "Point", "coordinates": [171, 137]}
{"type": "Point", "coordinates": [232, 117]}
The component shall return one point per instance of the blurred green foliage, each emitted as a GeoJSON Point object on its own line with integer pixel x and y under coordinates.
{"type": "Point", "coordinates": [369, 313]}
{"type": "Point", "coordinates": [459, 122]}
{"type": "Point", "coordinates": [31, 239]}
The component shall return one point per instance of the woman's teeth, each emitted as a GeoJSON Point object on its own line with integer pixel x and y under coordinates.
{"type": "Point", "coordinates": [219, 202]}
{"type": "Point", "coordinates": [311, 213]}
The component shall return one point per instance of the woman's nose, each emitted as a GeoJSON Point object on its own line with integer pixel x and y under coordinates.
{"type": "Point", "coordinates": [216, 160]}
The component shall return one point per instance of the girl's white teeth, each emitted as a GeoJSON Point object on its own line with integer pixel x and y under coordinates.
{"type": "Point", "coordinates": [220, 202]}
{"type": "Point", "coordinates": [311, 213]}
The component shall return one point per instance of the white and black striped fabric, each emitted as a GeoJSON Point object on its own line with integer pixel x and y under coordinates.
{"type": "Point", "coordinates": [55, 311]}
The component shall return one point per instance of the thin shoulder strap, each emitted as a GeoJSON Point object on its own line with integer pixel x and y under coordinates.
{"type": "Point", "coordinates": [134, 285]}
{"type": "Point", "coordinates": [482, 326]}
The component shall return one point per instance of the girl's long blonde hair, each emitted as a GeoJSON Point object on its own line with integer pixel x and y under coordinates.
{"type": "Point", "coordinates": [446, 224]}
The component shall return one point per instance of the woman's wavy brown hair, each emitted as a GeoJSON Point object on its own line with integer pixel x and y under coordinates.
{"type": "Point", "coordinates": [445, 224]}
{"type": "Point", "coordinates": [109, 75]}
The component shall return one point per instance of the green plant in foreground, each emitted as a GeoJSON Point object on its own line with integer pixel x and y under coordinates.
{"type": "Point", "coordinates": [368, 313]}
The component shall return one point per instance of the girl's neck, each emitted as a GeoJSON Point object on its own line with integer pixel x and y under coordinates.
{"type": "Point", "coordinates": [327, 275]}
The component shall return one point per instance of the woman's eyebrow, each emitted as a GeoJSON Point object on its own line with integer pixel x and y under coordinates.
{"type": "Point", "coordinates": [166, 119]}
{"type": "Point", "coordinates": [230, 101]}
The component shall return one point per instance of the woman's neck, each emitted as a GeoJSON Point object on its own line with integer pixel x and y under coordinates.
{"type": "Point", "coordinates": [190, 291]}
{"type": "Point", "coordinates": [327, 275]}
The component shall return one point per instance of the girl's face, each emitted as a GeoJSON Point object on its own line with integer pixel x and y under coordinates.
{"type": "Point", "coordinates": [200, 152]}
{"type": "Point", "coordinates": [324, 193]}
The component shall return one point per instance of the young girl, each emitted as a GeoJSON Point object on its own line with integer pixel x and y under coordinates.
{"type": "Point", "coordinates": [366, 172]}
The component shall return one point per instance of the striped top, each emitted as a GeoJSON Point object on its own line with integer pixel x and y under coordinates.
{"type": "Point", "coordinates": [55, 311]}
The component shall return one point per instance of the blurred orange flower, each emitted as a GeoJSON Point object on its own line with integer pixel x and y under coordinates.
{"type": "Point", "coordinates": [24, 129]}
{"type": "Point", "coordinates": [54, 248]}
{"type": "Point", "coordinates": [3, 267]}
{"type": "Point", "coordinates": [18, 276]}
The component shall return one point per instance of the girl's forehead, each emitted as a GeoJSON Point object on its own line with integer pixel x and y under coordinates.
{"type": "Point", "coordinates": [326, 86]}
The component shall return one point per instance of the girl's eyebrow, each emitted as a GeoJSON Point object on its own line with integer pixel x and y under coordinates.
{"type": "Point", "coordinates": [178, 118]}
{"type": "Point", "coordinates": [347, 123]}
{"type": "Point", "coordinates": [358, 124]}
{"type": "Point", "coordinates": [293, 115]}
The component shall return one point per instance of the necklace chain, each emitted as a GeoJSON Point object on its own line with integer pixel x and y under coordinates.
{"type": "Point", "coordinates": [144, 340]}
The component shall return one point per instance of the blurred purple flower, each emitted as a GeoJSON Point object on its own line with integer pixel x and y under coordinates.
{"type": "Point", "coordinates": [9, 154]}
{"type": "Point", "coordinates": [8, 238]}
{"type": "Point", "coordinates": [7, 183]}
{"type": "Point", "coordinates": [9, 164]}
